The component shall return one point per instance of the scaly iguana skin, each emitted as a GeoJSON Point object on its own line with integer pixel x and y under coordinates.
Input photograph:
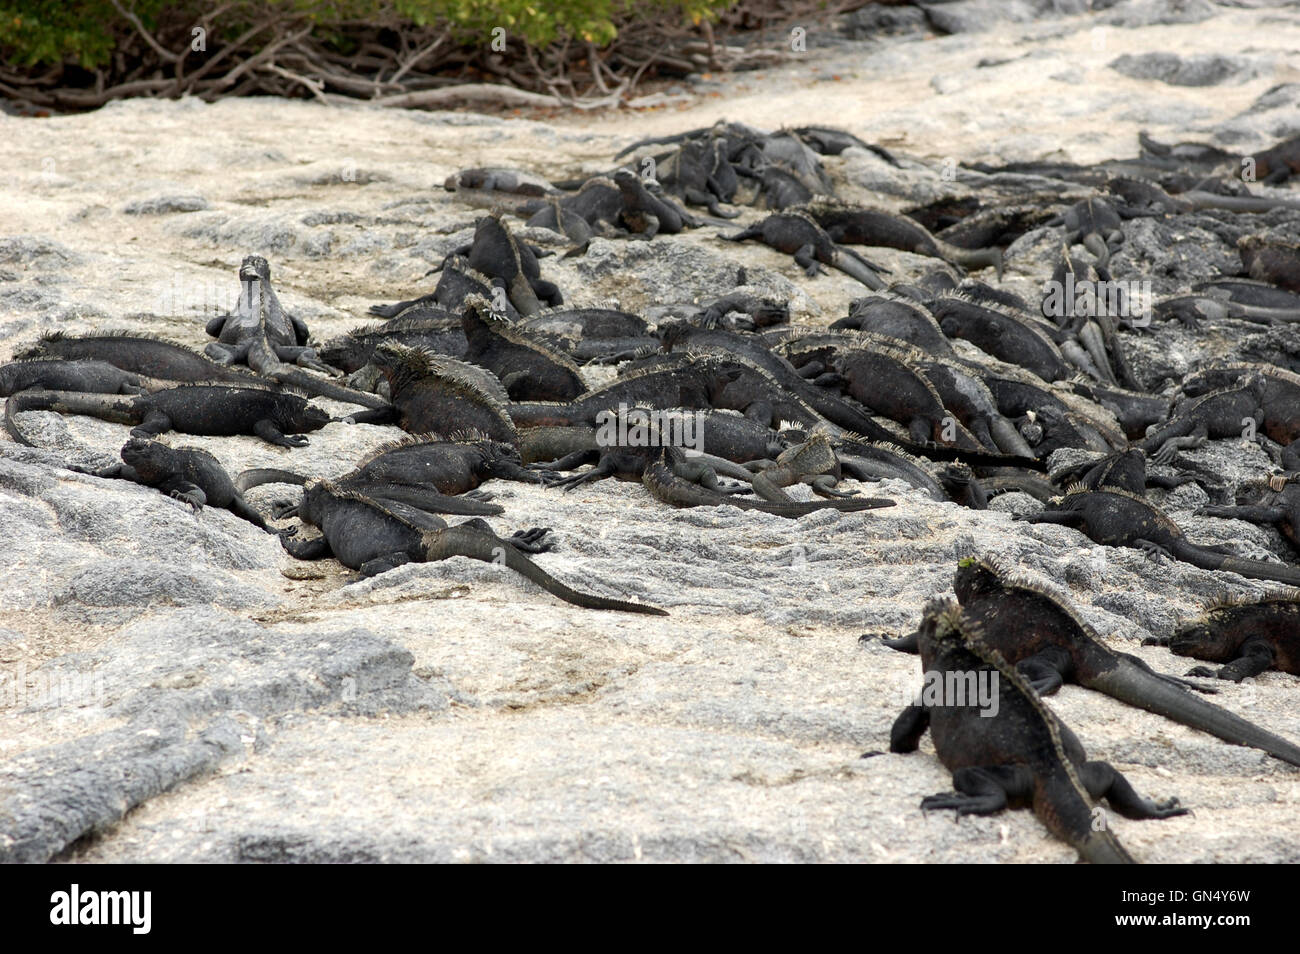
{"type": "Point", "coordinates": [56, 374]}
{"type": "Point", "coordinates": [352, 351]}
{"type": "Point", "coordinates": [661, 478]}
{"type": "Point", "coordinates": [259, 333]}
{"type": "Point", "coordinates": [1095, 225]}
{"type": "Point", "coordinates": [1276, 502]}
{"type": "Point", "coordinates": [1251, 637]}
{"type": "Point", "coordinates": [375, 536]}
{"type": "Point", "coordinates": [1124, 471]}
{"type": "Point", "coordinates": [855, 225]}
{"type": "Point", "coordinates": [1020, 756]}
{"type": "Point", "coordinates": [647, 214]}
{"type": "Point", "coordinates": [499, 179]}
{"type": "Point", "coordinates": [1117, 518]}
{"type": "Point", "coordinates": [1220, 414]}
{"type": "Point", "coordinates": [496, 253]}
{"type": "Point", "coordinates": [600, 335]}
{"type": "Point", "coordinates": [1001, 334]}
{"type": "Point", "coordinates": [1280, 402]}
{"type": "Point", "coordinates": [797, 233]}
{"type": "Point", "coordinates": [896, 317]}
{"type": "Point", "coordinates": [1133, 410]}
{"type": "Point", "coordinates": [218, 410]}
{"type": "Point", "coordinates": [425, 471]}
{"type": "Point", "coordinates": [1050, 644]}
{"type": "Point", "coordinates": [188, 474]}
{"type": "Point", "coordinates": [813, 463]}
{"type": "Point", "coordinates": [528, 369]}
{"type": "Point", "coordinates": [1271, 261]}
{"type": "Point", "coordinates": [868, 460]}
{"type": "Point", "coordinates": [137, 354]}
{"type": "Point", "coordinates": [430, 396]}
{"type": "Point", "coordinates": [456, 282]}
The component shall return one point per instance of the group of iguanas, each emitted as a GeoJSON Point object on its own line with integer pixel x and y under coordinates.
{"type": "Point", "coordinates": [958, 388]}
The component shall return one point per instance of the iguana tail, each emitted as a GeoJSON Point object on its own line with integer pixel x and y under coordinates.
{"type": "Point", "coordinates": [971, 258]}
{"type": "Point", "coordinates": [1061, 804]}
{"type": "Point", "coordinates": [1133, 683]}
{"type": "Point", "coordinates": [118, 408]}
{"type": "Point", "coordinates": [319, 387]}
{"type": "Point", "coordinates": [1100, 250]}
{"type": "Point", "coordinates": [488, 547]}
{"type": "Point", "coordinates": [1251, 569]}
{"type": "Point", "coordinates": [1008, 439]}
{"type": "Point", "coordinates": [266, 475]}
{"type": "Point", "coordinates": [855, 266]}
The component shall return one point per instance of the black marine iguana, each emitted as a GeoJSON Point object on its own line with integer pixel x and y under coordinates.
{"type": "Point", "coordinates": [57, 374]}
{"type": "Point", "coordinates": [218, 410]}
{"type": "Point", "coordinates": [1050, 645]}
{"type": "Point", "coordinates": [1117, 518]}
{"type": "Point", "coordinates": [188, 474]}
{"type": "Point", "coordinates": [374, 536]}
{"type": "Point", "coordinates": [1251, 637]}
{"type": "Point", "coordinates": [797, 233]}
{"type": "Point", "coordinates": [528, 369]}
{"type": "Point", "coordinates": [496, 253]}
{"type": "Point", "coordinates": [259, 333]}
{"type": "Point", "coordinates": [141, 355]}
{"type": "Point", "coordinates": [856, 225]}
{"type": "Point", "coordinates": [1016, 755]}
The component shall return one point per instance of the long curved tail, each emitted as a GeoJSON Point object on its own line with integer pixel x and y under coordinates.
{"type": "Point", "coordinates": [266, 475]}
{"type": "Point", "coordinates": [488, 547]}
{"type": "Point", "coordinates": [1252, 569]}
{"type": "Point", "coordinates": [1133, 683]}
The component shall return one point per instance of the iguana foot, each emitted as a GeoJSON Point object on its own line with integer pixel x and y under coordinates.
{"type": "Point", "coordinates": [963, 804]}
{"type": "Point", "coordinates": [188, 497]}
{"type": "Point", "coordinates": [531, 540]}
{"type": "Point", "coordinates": [291, 440]}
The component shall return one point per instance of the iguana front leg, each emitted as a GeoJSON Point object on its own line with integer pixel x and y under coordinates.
{"type": "Point", "coordinates": [267, 431]}
{"type": "Point", "coordinates": [1047, 670]}
{"type": "Point", "coordinates": [1103, 780]}
{"type": "Point", "coordinates": [911, 724]}
{"type": "Point", "coordinates": [154, 423]}
{"type": "Point", "coordinates": [184, 491]}
{"type": "Point", "coordinates": [1255, 514]}
{"type": "Point", "coordinates": [305, 358]}
{"type": "Point", "coordinates": [382, 564]}
{"type": "Point", "coordinates": [823, 485]}
{"type": "Point", "coordinates": [983, 790]}
{"type": "Point", "coordinates": [225, 354]}
{"type": "Point", "coordinates": [1256, 657]}
{"type": "Point", "coordinates": [805, 259]}
{"type": "Point", "coordinates": [317, 548]}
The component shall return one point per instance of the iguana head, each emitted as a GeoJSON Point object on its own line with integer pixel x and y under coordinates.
{"type": "Point", "coordinates": [144, 456]}
{"type": "Point", "coordinates": [974, 578]}
{"type": "Point", "coordinates": [254, 267]}
{"type": "Point", "coordinates": [1203, 641]}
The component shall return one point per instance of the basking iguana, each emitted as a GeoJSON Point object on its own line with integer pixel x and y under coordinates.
{"type": "Point", "coordinates": [1251, 637]}
{"type": "Point", "coordinates": [1013, 752]}
{"type": "Point", "coordinates": [1001, 334]}
{"type": "Point", "coordinates": [259, 333]}
{"type": "Point", "coordinates": [647, 214]}
{"type": "Point", "coordinates": [374, 536]}
{"type": "Point", "coordinates": [456, 282]}
{"type": "Point", "coordinates": [1227, 413]}
{"type": "Point", "coordinates": [896, 317]}
{"type": "Point", "coordinates": [188, 474]}
{"type": "Point", "coordinates": [1117, 518]}
{"type": "Point", "coordinates": [1095, 225]}
{"type": "Point", "coordinates": [528, 369]}
{"type": "Point", "coordinates": [857, 225]}
{"type": "Point", "coordinates": [591, 334]}
{"type": "Point", "coordinates": [1125, 471]}
{"type": "Point", "coordinates": [797, 233]}
{"type": "Point", "coordinates": [496, 253]}
{"type": "Point", "coordinates": [431, 396]}
{"type": "Point", "coordinates": [141, 355]}
{"type": "Point", "coordinates": [1268, 260]}
{"type": "Point", "coordinates": [58, 374]}
{"type": "Point", "coordinates": [352, 351]}
{"type": "Point", "coordinates": [1050, 644]}
{"type": "Point", "coordinates": [218, 410]}
{"type": "Point", "coordinates": [1276, 502]}
{"type": "Point", "coordinates": [812, 462]}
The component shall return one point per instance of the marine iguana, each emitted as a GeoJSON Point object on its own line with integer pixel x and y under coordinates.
{"type": "Point", "coordinates": [1048, 642]}
{"type": "Point", "coordinates": [425, 471]}
{"type": "Point", "coordinates": [259, 333]}
{"type": "Point", "coordinates": [1272, 504]}
{"type": "Point", "coordinates": [1226, 413]}
{"type": "Point", "coordinates": [499, 179]}
{"type": "Point", "coordinates": [456, 282]}
{"type": "Point", "coordinates": [896, 317]}
{"type": "Point", "coordinates": [188, 474]}
{"type": "Point", "coordinates": [496, 253]}
{"type": "Point", "coordinates": [663, 477]}
{"type": "Point", "coordinates": [1126, 470]}
{"type": "Point", "coordinates": [856, 225]}
{"type": "Point", "coordinates": [1271, 261]}
{"type": "Point", "coordinates": [1117, 518]}
{"type": "Point", "coordinates": [375, 536]}
{"type": "Point", "coordinates": [527, 369]}
{"type": "Point", "coordinates": [431, 396]}
{"type": "Point", "coordinates": [1017, 755]}
{"type": "Point", "coordinates": [591, 334]}
{"type": "Point", "coordinates": [352, 351]}
{"type": "Point", "coordinates": [812, 462]}
{"type": "Point", "coordinates": [140, 355]}
{"type": "Point", "coordinates": [1003, 335]}
{"type": "Point", "coordinates": [58, 374]}
{"type": "Point", "coordinates": [760, 312]}
{"type": "Point", "coordinates": [647, 214]}
{"type": "Point", "coordinates": [1250, 636]}
{"type": "Point", "coordinates": [219, 410]}
{"type": "Point", "coordinates": [1095, 225]}
{"type": "Point", "coordinates": [797, 233]}
{"type": "Point", "coordinates": [1280, 401]}
{"type": "Point", "coordinates": [869, 460]}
